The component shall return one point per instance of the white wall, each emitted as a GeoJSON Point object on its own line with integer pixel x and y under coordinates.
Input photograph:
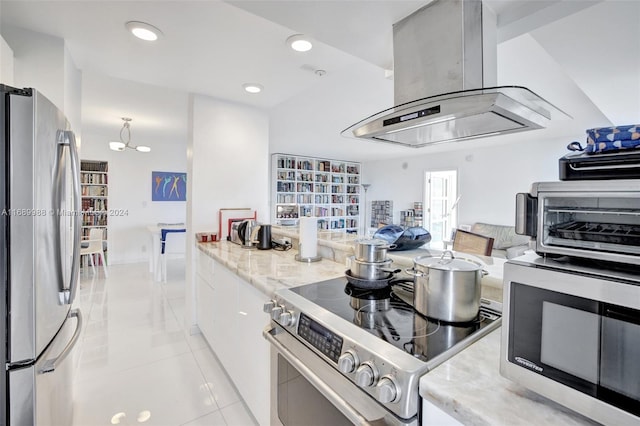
{"type": "Point", "coordinates": [228, 153]}
{"type": "Point", "coordinates": [488, 178]}
{"type": "Point", "coordinates": [6, 63]}
{"type": "Point", "coordinates": [44, 63]}
{"type": "Point", "coordinates": [39, 61]}
{"type": "Point", "coordinates": [230, 161]}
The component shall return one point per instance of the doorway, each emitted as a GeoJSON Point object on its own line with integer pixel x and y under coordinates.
{"type": "Point", "coordinates": [441, 199]}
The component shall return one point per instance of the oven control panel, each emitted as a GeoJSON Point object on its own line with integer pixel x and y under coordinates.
{"type": "Point", "coordinates": [327, 342]}
{"type": "Point", "coordinates": [394, 388]}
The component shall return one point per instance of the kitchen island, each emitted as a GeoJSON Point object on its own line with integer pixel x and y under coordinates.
{"type": "Point", "coordinates": [467, 388]}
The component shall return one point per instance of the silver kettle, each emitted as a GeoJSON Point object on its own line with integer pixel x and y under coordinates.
{"type": "Point", "coordinates": [246, 232]}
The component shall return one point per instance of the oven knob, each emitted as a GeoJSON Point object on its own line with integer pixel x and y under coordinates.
{"type": "Point", "coordinates": [267, 307]}
{"type": "Point", "coordinates": [366, 375]}
{"type": "Point", "coordinates": [387, 390]}
{"type": "Point", "coordinates": [276, 312]}
{"type": "Point", "coordinates": [287, 318]}
{"type": "Point", "coordinates": [348, 361]}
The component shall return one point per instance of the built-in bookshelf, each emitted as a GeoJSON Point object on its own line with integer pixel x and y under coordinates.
{"type": "Point", "coordinates": [412, 217]}
{"type": "Point", "coordinates": [316, 187]}
{"type": "Point", "coordinates": [381, 213]}
{"type": "Point", "coordinates": [94, 185]}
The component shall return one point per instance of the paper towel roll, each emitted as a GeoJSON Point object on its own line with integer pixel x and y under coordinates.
{"type": "Point", "coordinates": [308, 237]}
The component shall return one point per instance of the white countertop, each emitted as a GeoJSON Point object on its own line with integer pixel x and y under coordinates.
{"type": "Point", "coordinates": [270, 270]}
{"type": "Point", "coordinates": [468, 386]}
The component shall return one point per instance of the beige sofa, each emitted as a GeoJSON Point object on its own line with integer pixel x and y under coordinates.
{"type": "Point", "coordinates": [507, 244]}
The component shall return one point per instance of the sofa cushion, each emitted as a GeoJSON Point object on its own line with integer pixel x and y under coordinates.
{"type": "Point", "coordinates": [504, 236]}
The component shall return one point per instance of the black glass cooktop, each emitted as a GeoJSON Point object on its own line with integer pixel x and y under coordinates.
{"type": "Point", "coordinates": [388, 314]}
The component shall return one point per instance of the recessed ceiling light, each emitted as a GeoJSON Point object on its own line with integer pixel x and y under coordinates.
{"type": "Point", "coordinates": [143, 31]}
{"type": "Point", "coordinates": [252, 87]}
{"type": "Point", "coordinates": [299, 43]}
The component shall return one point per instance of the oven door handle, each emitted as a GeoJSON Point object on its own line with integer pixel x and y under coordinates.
{"type": "Point", "coordinates": [339, 402]}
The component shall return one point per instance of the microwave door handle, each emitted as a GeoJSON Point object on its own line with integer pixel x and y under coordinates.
{"type": "Point", "coordinates": [526, 214]}
{"type": "Point", "coordinates": [67, 139]}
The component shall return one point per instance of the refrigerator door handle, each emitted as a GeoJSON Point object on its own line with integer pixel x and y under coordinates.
{"type": "Point", "coordinates": [50, 365]}
{"type": "Point", "coordinates": [67, 295]}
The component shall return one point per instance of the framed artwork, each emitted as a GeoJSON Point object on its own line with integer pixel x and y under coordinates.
{"type": "Point", "coordinates": [168, 186]}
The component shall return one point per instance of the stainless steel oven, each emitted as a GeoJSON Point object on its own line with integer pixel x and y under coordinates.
{"type": "Point", "coordinates": [598, 220]}
{"type": "Point", "coordinates": [342, 355]}
{"type": "Point", "coordinates": [571, 332]}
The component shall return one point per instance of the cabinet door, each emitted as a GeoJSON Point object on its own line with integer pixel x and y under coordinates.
{"type": "Point", "coordinates": [253, 351]}
{"type": "Point", "coordinates": [225, 304]}
{"type": "Point", "coordinates": [205, 307]}
{"type": "Point", "coordinates": [432, 415]}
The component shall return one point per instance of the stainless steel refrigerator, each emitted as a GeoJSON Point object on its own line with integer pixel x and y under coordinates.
{"type": "Point", "coordinates": [39, 260]}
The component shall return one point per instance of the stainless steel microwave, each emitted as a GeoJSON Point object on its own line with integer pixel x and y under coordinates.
{"type": "Point", "coordinates": [588, 219]}
{"type": "Point", "coordinates": [572, 334]}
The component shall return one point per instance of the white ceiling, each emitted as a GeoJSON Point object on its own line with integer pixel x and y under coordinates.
{"type": "Point", "coordinates": [213, 47]}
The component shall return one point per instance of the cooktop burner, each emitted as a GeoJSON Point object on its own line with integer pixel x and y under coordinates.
{"type": "Point", "coordinates": [388, 314]}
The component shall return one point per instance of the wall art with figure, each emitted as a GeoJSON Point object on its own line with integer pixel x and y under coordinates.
{"type": "Point", "coordinates": [168, 186]}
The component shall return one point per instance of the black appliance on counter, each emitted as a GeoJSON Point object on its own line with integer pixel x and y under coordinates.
{"type": "Point", "coordinates": [585, 166]}
{"type": "Point", "coordinates": [403, 238]}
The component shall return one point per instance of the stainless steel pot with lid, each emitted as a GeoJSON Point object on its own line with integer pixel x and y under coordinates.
{"type": "Point", "coordinates": [371, 250]}
{"type": "Point", "coordinates": [446, 288]}
{"type": "Point", "coordinates": [371, 270]}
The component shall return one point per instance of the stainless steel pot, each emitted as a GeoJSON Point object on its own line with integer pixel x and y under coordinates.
{"type": "Point", "coordinates": [372, 250]}
{"type": "Point", "coordinates": [446, 288]}
{"type": "Point", "coordinates": [371, 270]}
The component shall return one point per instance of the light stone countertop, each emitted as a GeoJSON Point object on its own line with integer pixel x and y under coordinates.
{"type": "Point", "coordinates": [270, 270]}
{"type": "Point", "coordinates": [470, 389]}
{"type": "Point", "coordinates": [468, 386]}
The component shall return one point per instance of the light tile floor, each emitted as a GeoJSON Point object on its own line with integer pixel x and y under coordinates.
{"type": "Point", "coordinates": [136, 363]}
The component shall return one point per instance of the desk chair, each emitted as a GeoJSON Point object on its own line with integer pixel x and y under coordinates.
{"type": "Point", "coordinates": [468, 242]}
{"type": "Point", "coordinates": [172, 241]}
{"type": "Point", "coordinates": [95, 247]}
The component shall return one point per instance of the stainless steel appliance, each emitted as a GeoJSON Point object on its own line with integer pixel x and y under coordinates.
{"type": "Point", "coordinates": [571, 332]}
{"type": "Point", "coordinates": [244, 232]}
{"type": "Point", "coordinates": [598, 219]}
{"type": "Point", "coordinates": [40, 237]}
{"type": "Point", "coordinates": [444, 86]}
{"type": "Point", "coordinates": [342, 354]}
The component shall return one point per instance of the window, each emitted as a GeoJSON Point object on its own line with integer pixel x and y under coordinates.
{"type": "Point", "coordinates": [441, 199]}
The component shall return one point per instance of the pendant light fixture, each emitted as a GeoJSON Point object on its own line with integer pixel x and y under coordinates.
{"type": "Point", "coordinates": [124, 142]}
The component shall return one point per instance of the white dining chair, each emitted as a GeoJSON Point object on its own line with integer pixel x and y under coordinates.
{"type": "Point", "coordinates": [172, 244]}
{"type": "Point", "coordinates": [95, 247]}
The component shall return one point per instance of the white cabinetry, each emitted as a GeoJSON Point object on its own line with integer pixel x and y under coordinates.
{"type": "Point", "coordinates": [229, 313]}
{"type": "Point", "coordinates": [326, 189]}
{"type": "Point", "coordinates": [432, 415]}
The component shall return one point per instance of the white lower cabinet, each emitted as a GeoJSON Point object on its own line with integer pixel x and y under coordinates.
{"type": "Point", "coordinates": [231, 320]}
{"type": "Point", "coordinates": [432, 415]}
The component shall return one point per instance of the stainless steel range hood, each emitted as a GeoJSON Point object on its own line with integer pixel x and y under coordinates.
{"type": "Point", "coordinates": [445, 57]}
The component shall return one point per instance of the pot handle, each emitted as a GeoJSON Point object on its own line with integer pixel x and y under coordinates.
{"type": "Point", "coordinates": [444, 260]}
{"type": "Point", "coordinates": [413, 272]}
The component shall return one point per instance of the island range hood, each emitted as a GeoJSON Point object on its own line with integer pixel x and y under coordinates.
{"type": "Point", "coordinates": [444, 82]}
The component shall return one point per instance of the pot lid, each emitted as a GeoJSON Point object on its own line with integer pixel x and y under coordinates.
{"type": "Point", "coordinates": [447, 262]}
{"type": "Point", "coordinates": [372, 242]}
